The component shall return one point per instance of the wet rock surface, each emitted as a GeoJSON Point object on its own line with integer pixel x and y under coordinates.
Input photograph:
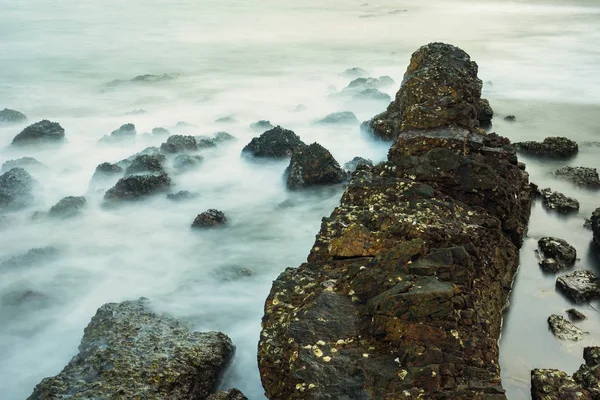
{"type": "Point", "coordinates": [209, 219]}
{"type": "Point", "coordinates": [553, 384]}
{"type": "Point", "coordinates": [556, 254]}
{"type": "Point", "coordinates": [16, 189]}
{"type": "Point", "coordinates": [563, 329]}
{"type": "Point", "coordinates": [137, 186]}
{"type": "Point", "coordinates": [355, 162]}
{"type": "Point", "coordinates": [313, 165]}
{"type": "Point", "coordinates": [8, 116]}
{"type": "Point", "coordinates": [128, 351]}
{"type": "Point", "coordinates": [343, 117]}
{"type": "Point", "coordinates": [68, 207]}
{"type": "Point", "coordinates": [580, 286]}
{"type": "Point", "coordinates": [274, 143]}
{"type": "Point", "coordinates": [23, 162]}
{"type": "Point", "coordinates": [558, 201]}
{"type": "Point", "coordinates": [43, 132]}
{"type": "Point", "coordinates": [179, 144]}
{"type": "Point", "coordinates": [403, 291]}
{"type": "Point", "coordinates": [580, 176]}
{"type": "Point", "coordinates": [552, 147]}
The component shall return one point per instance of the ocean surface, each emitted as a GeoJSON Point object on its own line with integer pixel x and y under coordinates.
{"type": "Point", "coordinates": [258, 60]}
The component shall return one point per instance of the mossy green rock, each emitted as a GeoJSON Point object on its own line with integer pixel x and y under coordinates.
{"type": "Point", "coordinates": [130, 352]}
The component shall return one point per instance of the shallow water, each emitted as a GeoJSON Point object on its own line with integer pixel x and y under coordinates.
{"type": "Point", "coordinates": [256, 60]}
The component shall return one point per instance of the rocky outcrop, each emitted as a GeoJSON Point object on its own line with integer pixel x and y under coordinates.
{"type": "Point", "coordinates": [580, 286]}
{"type": "Point", "coordinates": [581, 176]}
{"type": "Point", "coordinates": [556, 254]}
{"type": "Point", "coordinates": [563, 329]}
{"type": "Point", "coordinates": [23, 162]}
{"type": "Point", "coordinates": [179, 144]}
{"type": "Point", "coordinates": [16, 189]}
{"type": "Point", "coordinates": [404, 288]}
{"type": "Point", "coordinates": [43, 132]}
{"type": "Point", "coordinates": [274, 143]}
{"type": "Point", "coordinates": [128, 351]}
{"type": "Point", "coordinates": [440, 88]}
{"type": "Point", "coordinates": [137, 186]}
{"type": "Point", "coordinates": [313, 165]}
{"type": "Point", "coordinates": [343, 117]}
{"type": "Point", "coordinates": [553, 384]}
{"type": "Point", "coordinates": [355, 162]}
{"type": "Point", "coordinates": [68, 207]}
{"type": "Point", "coordinates": [8, 116]}
{"type": "Point", "coordinates": [552, 147]}
{"type": "Point", "coordinates": [209, 219]}
{"type": "Point", "coordinates": [558, 201]}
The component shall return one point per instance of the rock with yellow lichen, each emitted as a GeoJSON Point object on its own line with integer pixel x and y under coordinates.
{"type": "Point", "coordinates": [130, 352]}
{"type": "Point", "coordinates": [404, 288]}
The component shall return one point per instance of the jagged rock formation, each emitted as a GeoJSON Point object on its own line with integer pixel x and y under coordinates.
{"type": "Point", "coordinates": [403, 291]}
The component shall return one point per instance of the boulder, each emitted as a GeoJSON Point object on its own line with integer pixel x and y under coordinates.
{"type": "Point", "coordinates": [344, 117]}
{"type": "Point", "coordinates": [595, 226]}
{"type": "Point", "coordinates": [580, 176]}
{"type": "Point", "coordinates": [184, 162]}
{"type": "Point", "coordinates": [551, 384]}
{"type": "Point", "coordinates": [575, 315]}
{"type": "Point", "coordinates": [8, 116]}
{"type": "Point", "coordinates": [179, 144]}
{"type": "Point", "coordinates": [68, 207]}
{"type": "Point", "coordinates": [580, 286]}
{"type": "Point", "coordinates": [262, 125]}
{"type": "Point", "coordinates": [16, 189]}
{"type": "Point", "coordinates": [564, 330]}
{"type": "Point", "coordinates": [137, 186]}
{"type": "Point", "coordinates": [209, 219]}
{"type": "Point", "coordinates": [313, 165]}
{"type": "Point", "coordinates": [33, 257]}
{"type": "Point", "coordinates": [558, 201]}
{"type": "Point", "coordinates": [106, 170]}
{"type": "Point", "coordinates": [232, 394]}
{"type": "Point", "coordinates": [510, 118]}
{"type": "Point", "coordinates": [128, 351]}
{"type": "Point", "coordinates": [182, 195]}
{"type": "Point", "coordinates": [274, 143]}
{"type": "Point", "coordinates": [23, 162]}
{"type": "Point", "coordinates": [124, 131]}
{"type": "Point", "coordinates": [422, 103]}
{"type": "Point", "coordinates": [555, 147]}
{"type": "Point", "coordinates": [43, 132]}
{"type": "Point", "coordinates": [557, 254]}
{"type": "Point", "coordinates": [145, 163]}
{"type": "Point", "coordinates": [355, 162]}
{"type": "Point", "coordinates": [149, 151]}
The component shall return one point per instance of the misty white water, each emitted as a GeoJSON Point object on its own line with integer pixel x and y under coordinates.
{"type": "Point", "coordinates": [256, 60]}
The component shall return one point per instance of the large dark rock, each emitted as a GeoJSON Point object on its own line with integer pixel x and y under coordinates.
{"type": "Point", "coordinates": [403, 292]}
{"type": "Point", "coordinates": [23, 162]}
{"type": "Point", "coordinates": [556, 254]}
{"type": "Point", "coordinates": [580, 286]}
{"type": "Point", "coordinates": [274, 143]}
{"type": "Point", "coordinates": [552, 147]}
{"type": "Point", "coordinates": [553, 384]}
{"type": "Point", "coordinates": [344, 117]}
{"type": "Point", "coordinates": [128, 351]}
{"type": "Point", "coordinates": [16, 189]}
{"type": "Point", "coordinates": [558, 201]}
{"type": "Point", "coordinates": [68, 207]}
{"type": "Point", "coordinates": [580, 176]}
{"type": "Point", "coordinates": [146, 163]}
{"type": "Point", "coordinates": [440, 88]}
{"type": "Point", "coordinates": [43, 132]}
{"type": "Point", "coordinates": [313, 165]}
{"type": "Point", "coordinates": [8, 116]}
{"type": "Point", "coordinates": [209, 219]}
{"type": "Point", "coordinates": [563, 329]}
{"type": "Point", "coordinates": [137, 186]}
{"type": "Point", "coordinates": [179, 143]}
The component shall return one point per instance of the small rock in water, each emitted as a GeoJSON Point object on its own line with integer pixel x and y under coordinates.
{"type": "Point", "coordinates": [311, 166]}
{"type": "Point", "coordinates": [232, 394]}
{"type": "Point", "coordinates": [182, 195]}
{"type": "Point", "coordinates": [576, 315]}
{"type": "Point", "coordinates": [261, 125]}
{"type": "Point", "coordinates": [8, 116]}
{"type": "Point", "coordinates": [344, 117]}
{"type": "Point", "coordinates": [160, 132]}
{"type": "Point", "coordinates": [552, 147]}
{"type": "Point", "coordinates": [233, 273]}
{"type": "Point", "coordinates": [33, 257]}
{"type": "Point", "coordinates": [580, 286]}
{"type": "Point", "coordinates": [209, 219]}
{"type": "Point", "coordinates": [510, 118]}
{"type": "Point", "coordinates": [274, 143]}
{"type": "Point", "coordinates": [184, 162]}
{"type": "Point", "coordinates": [22, 162]}
{"type": "Point", "coordinates": [16, 189]}
{"type": "Point", "coordinates": [143, 79]}
{"type": "Point", "coordinates": [286, 204]}
{"type": "Point", "coordinates": [354, 73]}
{"type": "Point", "coordinates": [558, 201]}
{"type": "Point", "coordinates": [43, 132]}
{"type": "Point", "coordinates": [355, 162]}
{"type": "Point", "coordinates": [137, 112]}
{"type": "Point", "coordinates": [580, 176]}
{"type": "Point", "coordinates": [300, 107]}
{"type": "Point", "coordinates": [137, 186]}
{"type": "Point", "coordinates": [107, 169]}
{"type": "Point", "coordinates": [563, 329]}
{"type": "Point", "coordinates": [205, 142]}
{"type": "Point", "coordinates": [230, 119]}
{"type": "Point", "coordinates": [68, 207]}
{"type": "Point", "coordinates": [179, 143]}
{"type": "Point", "coordinates": [373, 94]}
{"type": "Point", "coordinates": [557, 253]}
{"type": "Point", "coordinates": [145, 163]}
{"type": "Point", "coordinates": [220, 137]}
{"type": "Point", "coordinates": [183, 124]}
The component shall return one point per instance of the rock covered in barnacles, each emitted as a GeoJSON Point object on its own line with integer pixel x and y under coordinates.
{"type": "Point", "coordinates": [552, 147]}
{"type": "Point", "coordinates": [313, 165]}
{"type": "Point", "coordinates": [557, 254]}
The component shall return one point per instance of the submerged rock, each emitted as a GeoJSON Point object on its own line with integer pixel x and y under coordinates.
{"type": "Point", "coordinates": [160, 132]}
{"type": "Point", "coordinates": [137, 186]}
{"type": "Point", "coordinates": [557, 254]}
{"type": "Point", "coordinates": [23, 162]}
{"type": "Point", "coordinates": [552, 147]}
{"type": "Point", "coordinates": [182, 195]}
{"type": "Point", "coordinates": [43, 132]}
{"type": "Point", "coordinates": [8, 116]}
{"type": "Point", "coordinates": [128, 351]}
{"type": "Point", "coordinates": [185, 162]}
{"type": "Point", "coordinates": [510, 118]}
{"type": "Point", "coordinates": [230, 119]}
{"type": "Point", "coordinates": [563, 329]}
{"type": "Point", "coordinates": [355, 162]}
{"type": "Point", "coordinates": [220, 137]}
{"type": "Point", "coordinates": [421, 103]}
{"type": "Point", "coordinates": [144, 79]}
{"type": "Point", "coordinates": [576, 315]}
{"type": "Point", "coordinates": [261, 125]}
{"type": "Point", "coordinates": [580, 286]}
{"type": "Point", "coordinates": [179, 143]}
{"type": "Point", "coordinates": [372, 94]}
{"type": "Point", "coordinates": [205, 142]}
{"type": "Point", "coordinates": [209, 219]}
{"type": "Point", "coordinates": [313, 165]}
{"type": "Point", "coordinates": [107, 169]}
{"type": "Point", "coordinates": [580, 176]}
{"type": "Point", "coordinates": [274, 143]}
{"type": "Point", "coordinates": [124, 132]}
{"type": "Point", "coordinates": [68, 207]}
{"type": "Point", "coordinates": [33, 257]}
{"type": "Point", "coordinates": [344, 117]}
{"type": "Point", "coordinates": [354, 72]}
{"type": "Point", "coordinates": [16, 189]}
{"type": "Point", "coordinates": [558, 201]}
